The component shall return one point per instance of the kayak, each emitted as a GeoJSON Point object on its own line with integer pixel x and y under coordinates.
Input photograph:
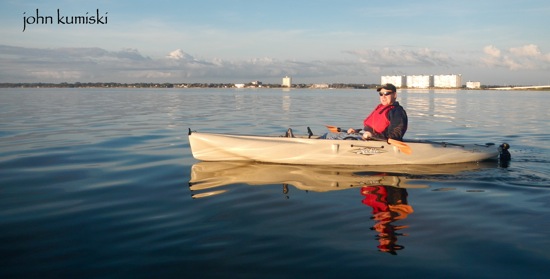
{"type": "Point", "coordinates": [308, 150]}
{"type": "Point", "coordinates": [210, 178]}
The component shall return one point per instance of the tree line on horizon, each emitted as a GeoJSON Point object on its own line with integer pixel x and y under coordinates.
{"type": "Point", "coordinates": [191, 85]}
{"type": "Point", "coordinates": [166, 85]}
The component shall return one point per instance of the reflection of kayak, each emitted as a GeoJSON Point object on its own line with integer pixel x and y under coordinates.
{"type": "Point", "coordinates": [210, 175]}
{"type": "Point", "coordinates": [310, 151]}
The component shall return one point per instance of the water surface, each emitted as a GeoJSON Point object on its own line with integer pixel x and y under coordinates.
{"type": "Point", "coordinates": [94, 183]}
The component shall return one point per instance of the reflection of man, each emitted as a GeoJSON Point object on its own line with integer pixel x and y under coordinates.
{"type": "Point", "coordinates": [388, 204]}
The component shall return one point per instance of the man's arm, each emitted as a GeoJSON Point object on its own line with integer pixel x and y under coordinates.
{"type": "Point", "coordinates": [398, 124]}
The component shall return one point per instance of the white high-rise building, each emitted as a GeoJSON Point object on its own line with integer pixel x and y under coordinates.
{"type": "Point", "coordinates": [420, 81]}
{"type": "Point", "coordinates": [424, 81]}
{"type": "Point", "coordinates": [448, 81]}
{"type": "Point", "coordinates": [398, 81]}
{"type": "Point", "coordinates": [287, 81]}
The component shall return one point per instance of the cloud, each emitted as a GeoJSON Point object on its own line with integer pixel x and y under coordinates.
{"type": "Point", "coordinates": [491, 51]}
{"type": "Point", "coordinates": [527, 57]}
{"type": "Point", "coordinates": [527, 50]}
{"type": "Point", "coordinates": [18, 64]}
{"type": "Point", "coordinates": [179, 54]}
{"type": "Point", "coordinates": [388, 58]}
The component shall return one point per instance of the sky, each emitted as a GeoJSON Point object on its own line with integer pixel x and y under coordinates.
{"type": "Point", "coordinates": [495, 42]}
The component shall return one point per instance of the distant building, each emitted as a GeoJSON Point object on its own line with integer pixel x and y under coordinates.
{"type": "Point", "coordinates": [320, 86]}
{"type": "Point", "coordinates": [447, 81]}
{"type": "Point", "coordinates": [420, 81]}
{"type": "Point", "coordinates": [473, 84]}
{"type": "Point", "coordinates": [287, 81]}
{"type": "Point", "coordinates": [398, 81]}
{"type": "Point", "coordinates": [239, 85]}
{"type": "Point", "coordinates": [424, 81]}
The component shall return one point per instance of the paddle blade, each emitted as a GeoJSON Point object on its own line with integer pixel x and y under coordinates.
{"type": "Point", "coordinates": [333, 129]}
{"type": "Point", "coordinates": [403, 147]}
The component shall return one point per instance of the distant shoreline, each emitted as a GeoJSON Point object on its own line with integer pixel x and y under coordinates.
{"type": "Point", "coordinates": [248, 86]}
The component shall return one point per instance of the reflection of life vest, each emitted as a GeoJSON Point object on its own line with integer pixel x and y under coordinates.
{"type": "Point", "coordinates": [388, 204]}
{"type": "Point", "coordinates": [378, 119]}
{"type": "Point", "coordinates": [375, 197]}
{"type": "Point", "coordinates": [381, 200]}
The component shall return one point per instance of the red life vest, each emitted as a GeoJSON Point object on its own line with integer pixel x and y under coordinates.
{"type": "Point", "coordinates": [378, 119]}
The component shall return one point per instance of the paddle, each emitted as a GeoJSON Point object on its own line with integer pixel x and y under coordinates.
{"type": "Point", "coordinates": [403, 147]}
{"type": "Point", "coordinates": [333, 129]}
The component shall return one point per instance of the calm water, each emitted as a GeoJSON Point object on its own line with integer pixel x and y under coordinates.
{"type": "Point", "coordinates": [94, 183]}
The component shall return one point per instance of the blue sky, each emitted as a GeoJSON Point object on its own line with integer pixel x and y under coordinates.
{"type": "Point", "coordinates": [495, 42]}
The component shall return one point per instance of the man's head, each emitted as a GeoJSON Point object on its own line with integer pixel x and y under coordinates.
{"type": "Point", "coordinates": [388, 94]}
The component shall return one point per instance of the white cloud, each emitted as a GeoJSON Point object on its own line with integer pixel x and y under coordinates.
{"type": "Point", "coordinates": [179, 54]}
{"type": "Point", "coordinates": [388, 57]}
{"type": "Point", "coordinates": [527, 57]}
{"type": "Point", "coordinates": [492, 51]}
{"type": "Point", "coordinates": [19, 64]}
{"type": "Point", "coordinates": [527, 50]}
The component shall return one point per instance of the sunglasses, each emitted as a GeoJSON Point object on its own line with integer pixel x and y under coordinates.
{"type": "Point", "coordinates": [385, 94]}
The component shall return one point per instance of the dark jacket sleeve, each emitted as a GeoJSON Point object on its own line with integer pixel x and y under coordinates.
{"type": "Point", "coordinates": [398, 123]}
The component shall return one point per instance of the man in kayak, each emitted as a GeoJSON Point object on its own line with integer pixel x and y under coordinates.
{"type": "Point", "coordinates": [388, 120]}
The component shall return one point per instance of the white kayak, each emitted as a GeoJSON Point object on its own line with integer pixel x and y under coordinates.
{"type": "Point", "coordinates": [314, 151]}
